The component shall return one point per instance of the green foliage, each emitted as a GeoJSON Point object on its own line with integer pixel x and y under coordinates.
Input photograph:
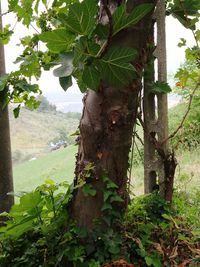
{"type": "Point", "coordinates": [186, 11]}
{"type": "Point", "coordinates": [64, 40]}
{"type": "Point", "coordinates": [122, 21]}
{"type": "Point", "coordinates": [44, 105]}
{"type": "Point", "coordinates": [116, 63]}
{"type": "Point", "coordinates": [81, 18]}
{"type": "Point", "coordinates": [187, 78]}
{"type": "Point", "coordinates": [161, 88]}
{"type": "Point", "coordinates": [155, 230]}
{"type": "Point", "coordinates": [74, 25]}
{"type": "Point", "coordinates": [39, 231]}
{"type": "Point", "coordinates": [5, 34]}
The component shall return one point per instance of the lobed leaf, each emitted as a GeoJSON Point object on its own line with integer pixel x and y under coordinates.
{"type": "Point", "coordinates": [115, 67]}
{"type": "Point", "coordinates": [91, 77]}
{"type": "Point", "coordinates": [58, 40]}
{"type": "Point", "coordinates": [121, 21]}
{"type": "Point", "coordinates": [82, 17]}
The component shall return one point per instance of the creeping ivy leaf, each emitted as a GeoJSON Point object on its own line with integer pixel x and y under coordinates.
{"type": "Point", "coordinates": [82, 17]}
{"type": "Point", "coordinates": [91, 77]}
{"type": "Point", "coordinates": [58, 40]}
{"type": "Point", "coordinates": [65, 82]}
{"type": "Point", "coordinates": [115, 67]}
{"type": "Point", "coordinates": [88, 190]}
{"type": "Point", "coordinates": [161, 88]}
{"type": "Point", "coordinates": [106, 195]}
{"type": "Point", "coordinates": [106, 206]}
{"type": "Point", "coordinates": [121, 21]}
{"type": "Point", "coordinates": [66, 68]}
{"type": "Point", "coordinates": [116, 198]}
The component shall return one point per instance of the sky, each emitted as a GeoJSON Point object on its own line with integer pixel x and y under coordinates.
{"type": "Point", "coordinates": [50, 85]}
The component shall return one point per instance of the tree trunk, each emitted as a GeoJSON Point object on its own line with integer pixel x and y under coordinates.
{"type": "Point", "coordinates": [6, 179]}
{"type": "Point", "coordinates": [106, 129]}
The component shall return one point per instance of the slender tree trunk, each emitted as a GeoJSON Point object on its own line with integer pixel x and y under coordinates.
{"type": "Point", "coordinates": [6, 179]}
{"type": "Point", "coordinates": [149, 114]}
{"type": "Point", "coordinates": [106, 129]}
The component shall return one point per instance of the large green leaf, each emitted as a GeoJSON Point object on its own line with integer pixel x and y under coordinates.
{"type": "Point", "coordinates": [121, 21]}
{"type": "Point", "coordinates": [58, 40]}
{"type": "Point", "coordinates": [118, 18]}
{"type": "Point", "coordinates": [84, 50]}
{"type": "Point", "coordinates": [115, 66]}
{"type": "Point", "coordinates": [91, 77]}
{"type": "Point", "coordinates": [66, 68]}
{"type": "Point", "coordinates": [82, 17]}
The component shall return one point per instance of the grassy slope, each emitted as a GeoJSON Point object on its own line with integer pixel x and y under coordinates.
{"type": "Point", "coordinates": [33, 130]}
{"type": "Point", "coordinates": [57, 165]}
{"type": "Point", "coordinates": [188, 169]}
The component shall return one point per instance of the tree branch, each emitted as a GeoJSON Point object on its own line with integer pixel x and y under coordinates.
{"type": "Point", "coordinates": [185, 116]}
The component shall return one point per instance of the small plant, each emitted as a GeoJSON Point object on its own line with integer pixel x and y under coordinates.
{"type": "Point", "coordinates": [40, 231]}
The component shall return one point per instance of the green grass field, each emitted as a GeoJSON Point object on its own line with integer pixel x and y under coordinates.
{"type": "Point", "coordinates": [57, 165]}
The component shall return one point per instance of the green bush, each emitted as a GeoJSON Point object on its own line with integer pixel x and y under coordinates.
{"type": "Point", "coordinates": [188, 137]}
{"type": "Point", "coordinates": [40, 232]}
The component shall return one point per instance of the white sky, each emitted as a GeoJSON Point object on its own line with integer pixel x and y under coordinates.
{"type": "Point", "coordinates": [49, 84]}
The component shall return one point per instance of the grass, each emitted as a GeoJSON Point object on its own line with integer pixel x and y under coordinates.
{"type": "Point", "coordinates": [32, 131]}
{"type": "Point", "coordinates": [57, 165]}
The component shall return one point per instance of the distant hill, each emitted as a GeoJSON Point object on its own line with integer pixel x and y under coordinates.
{"type": "Point", "coordinates": [33, 131]}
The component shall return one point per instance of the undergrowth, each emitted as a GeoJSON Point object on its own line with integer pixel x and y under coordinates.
{"type": "Point", "coordinates": [40, 231]}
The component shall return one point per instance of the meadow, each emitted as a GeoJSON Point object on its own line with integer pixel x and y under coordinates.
{"type": "Point", "coordinates": [59, 165]}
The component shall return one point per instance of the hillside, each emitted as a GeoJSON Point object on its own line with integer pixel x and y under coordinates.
{"type": "Point", "coordinates": [32, 131]}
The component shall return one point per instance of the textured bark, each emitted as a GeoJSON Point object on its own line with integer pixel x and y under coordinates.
{"type": "Point", "coordinates": [162, 98]}
{"type": "Point", "coordinates": [6, 179]}
{"type": "Point", "coordinates": [150, 122]}
{"type": "Point", "coordinates": [106, 129]}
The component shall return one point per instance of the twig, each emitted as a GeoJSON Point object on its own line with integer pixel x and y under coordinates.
{"type": "Point", "coordinates": [185, 116]}
{"type": "Point", "coordinates": [5, 13]}
{"type": "Point", "coordinates": [34, 28]}
{"type": "Point", "coordinates": [139, 138]}
{"type": "Point", "coordinates": [131, 163]}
